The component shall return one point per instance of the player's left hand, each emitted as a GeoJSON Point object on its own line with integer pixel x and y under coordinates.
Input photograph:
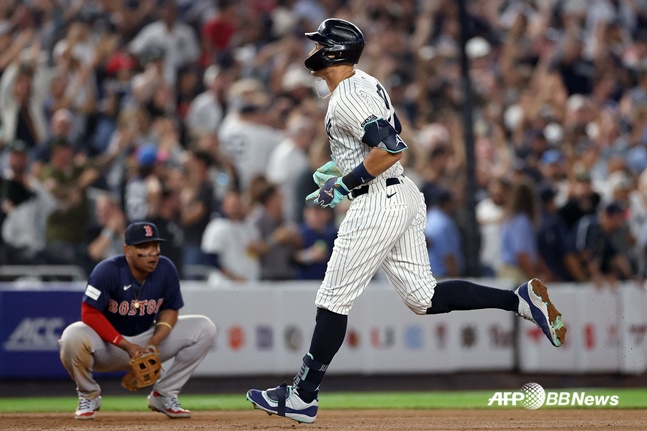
{"type": "Point", "coordinates": [330, 194]}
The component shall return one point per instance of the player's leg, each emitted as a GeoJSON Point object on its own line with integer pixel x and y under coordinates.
{"type": "Point", "coordinates": [82, 352]}
{"type": "Point", "coordinates": [408, 270]}
{"type": "Point", "coordinates": [362, 243]}
{"type": "Point", "coordinates": [188, 344]}
{"type": "Point", "coordinates": [455, 295]}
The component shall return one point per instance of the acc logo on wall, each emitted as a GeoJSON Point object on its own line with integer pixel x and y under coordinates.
{"type": "Point", "coordinates": [35, 334]}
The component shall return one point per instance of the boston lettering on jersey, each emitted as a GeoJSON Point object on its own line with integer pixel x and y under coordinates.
{"type": "Point", "coordinates": [127, 304]}
{"type": "Point", "coordinates": [128, 308]}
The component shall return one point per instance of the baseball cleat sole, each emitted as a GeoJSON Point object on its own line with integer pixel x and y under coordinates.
{"type": "Point", "coordinates": [555, 324]}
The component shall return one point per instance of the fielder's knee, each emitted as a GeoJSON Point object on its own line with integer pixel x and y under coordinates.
{"type": "Point", "coordinates": [203, 326]}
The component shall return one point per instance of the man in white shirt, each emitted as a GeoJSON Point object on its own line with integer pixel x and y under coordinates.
{"type": "Point", "coordinates": [288, 162]}
{"type": "Point", "coordinates": [205, 112]}
{"type": "Point", "coordinates": [231, 239]}
{"type": "Point", "coordinates": [245, 138]}
{"type": "Point", "coordinates": [177, 39]}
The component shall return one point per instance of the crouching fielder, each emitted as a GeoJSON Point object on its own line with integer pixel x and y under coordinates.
{"type": "Point", "coordinates": [130, 306]}
{"type": "Point", "coordinates": [383, 228]}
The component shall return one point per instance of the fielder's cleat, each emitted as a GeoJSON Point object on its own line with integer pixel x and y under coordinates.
{"type": "Point", "coordinates": [535, 305]}
{"type": "Point", "coordinates": [86, 408]}
{"type": "Point", "coordinates": [170, 406]}
{"type": "Point", "coordinates": [284, 401]}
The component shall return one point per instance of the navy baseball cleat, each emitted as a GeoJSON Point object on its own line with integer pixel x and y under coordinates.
{"type": "Point", "coordinates": [535, 305]}
{"type": "Point", "coordinates": [284, 401]}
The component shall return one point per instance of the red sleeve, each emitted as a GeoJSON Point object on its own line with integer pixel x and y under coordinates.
{"type": "Point", "coordinates": [97, 321]}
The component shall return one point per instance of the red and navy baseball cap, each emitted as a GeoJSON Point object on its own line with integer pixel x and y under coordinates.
{"type": "Point", "coordinates": [141, 232]}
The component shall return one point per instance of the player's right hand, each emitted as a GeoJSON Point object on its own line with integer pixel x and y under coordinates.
{"type": "Point", "coordinates": [134, 350]}
{"type": "Point", "coordinates": [326, 172]}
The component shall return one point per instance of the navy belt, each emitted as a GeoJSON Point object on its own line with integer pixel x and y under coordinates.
{"type": "Point", "coordinates": [364, 189]}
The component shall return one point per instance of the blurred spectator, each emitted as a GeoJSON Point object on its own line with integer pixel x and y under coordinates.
{"type": "Point", "coordinates": [554, 242]}
{"type": "Point", "coordinates": [443, 237]}
{"type": "Point", "coordinates": [25, 206]}
{"type": "Point", "coordinates": [553, 169]}
{"type": "Point", "coordinates": [176, 39]}
{"type": "Point", "coordinates": [75, 59]}
{"type": "Point", "coordinates": [142, 187]}
{"type": "Point", "coordinates": [60, 129]}
{"type": "Point", "coordinates": [167, 221]}
{"type": "Point", "coordinates": [197, 201]}
{"type": "Point", "coordinates": [245, 138]}
{"type": "Point", "coordinates": [604, 262]}
{"type": "Point", "coordinates": [189, 85]}
{"type": "Point", "coordinates": [318, 233]}
{"type": "Point", "coordinates": [519, 260]}
{"type": "Point", "coordinates": [489, 215]}
{"type": "Point", "coordinates": [637, 220]}
{"type": "Point", "coordinates": [432, 172]}
{"type": "Point", "coordinates": [12, 45]}
{"type": "Point", "coordinates": [280, 239]}
{"type": "Point", "coordinates": [116, 94]}
{"type": "Point", "coordinates": [218, 31]}
{"type": "Point", "coordinates": [575, 69]}
{"type": "Point", "coordinates": [289, 160]}
{"type": "Point", "coordinates": [105, 233]}
{"type": "Point", "coordinates": [206, 110]}
{"type": "Point", "coordinates": [67, 180]}
{"type": "Point", "coordinates": [230, 241]}
{"type": "Point", "coordinates": [582, 200]}
{"type": "Point", "coordinates": [22, 94]}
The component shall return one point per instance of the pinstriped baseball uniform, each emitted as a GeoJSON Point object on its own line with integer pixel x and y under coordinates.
{"type": "Point", "coordinates": [383, 227]}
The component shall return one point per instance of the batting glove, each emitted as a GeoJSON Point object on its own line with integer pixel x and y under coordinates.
{"type": "Point", "coordinates": [326, 172]}
{"type": "Point", "coordinates": [330, 194]}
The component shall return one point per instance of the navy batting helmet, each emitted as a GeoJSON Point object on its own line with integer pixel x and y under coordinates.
{"type": "Point", "coordinates": [342, 43]}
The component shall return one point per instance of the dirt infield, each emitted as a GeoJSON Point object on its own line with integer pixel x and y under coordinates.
{"type": "Point", "coordinates": [499, 420]}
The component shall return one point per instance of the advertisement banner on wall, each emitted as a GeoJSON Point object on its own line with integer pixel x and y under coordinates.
{"type": "Point", "coordinates": [268, 330]}
{"type": "Point", "coordinates": [31, 322]}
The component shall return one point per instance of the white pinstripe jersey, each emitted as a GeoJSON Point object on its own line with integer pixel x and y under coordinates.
{"type": "Point", "coordinates": [354, 102]}
{"type": "Point", "coordinates": [383, 228]}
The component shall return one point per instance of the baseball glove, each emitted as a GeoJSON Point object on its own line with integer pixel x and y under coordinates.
{"type": "Point", "coordinates": [145, 370]}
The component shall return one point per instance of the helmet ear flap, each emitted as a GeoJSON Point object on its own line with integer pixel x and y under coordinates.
{"type": "Point", "coordinates": [318, 60]}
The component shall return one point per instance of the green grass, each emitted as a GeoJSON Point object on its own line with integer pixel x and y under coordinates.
{"type": "Point", "coordinates": [629, 399]}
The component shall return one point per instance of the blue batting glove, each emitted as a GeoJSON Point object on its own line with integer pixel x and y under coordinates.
{"type": "Point", "coordinates": [332, 192]}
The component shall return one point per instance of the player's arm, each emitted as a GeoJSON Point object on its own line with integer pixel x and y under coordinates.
{"type": "Point", "coordinates": [168, 314]}
{"type": "Point", "coordinates": [166, 320]}
{"type": "Point", "coordinates": [95, 319]}
{"type": "Point", "coordinates": [378, 161]}
{"type": "Point", "coordinates": [377, 133]}
{"type": "Point", "coordinates": [386, 149]}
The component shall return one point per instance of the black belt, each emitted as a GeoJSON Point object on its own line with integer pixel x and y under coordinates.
{"type": "Point", "coordinates": [364, 189]}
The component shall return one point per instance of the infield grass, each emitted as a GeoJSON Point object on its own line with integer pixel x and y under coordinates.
{"type": "Point", "coordinates": [628, 399]}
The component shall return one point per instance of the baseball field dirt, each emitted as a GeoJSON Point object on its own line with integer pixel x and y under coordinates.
{"type": "Point", "coordinates": [405, 420]}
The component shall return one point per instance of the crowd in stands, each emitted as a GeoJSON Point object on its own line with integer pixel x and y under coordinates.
{"type": "Point", "coordinates": [200, 116]}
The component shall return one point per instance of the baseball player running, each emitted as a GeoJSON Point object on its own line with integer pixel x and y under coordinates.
{"type": "Point", "coordinates": [382, 228]}
{"type": "Point", "coordinates": [130, 307]}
